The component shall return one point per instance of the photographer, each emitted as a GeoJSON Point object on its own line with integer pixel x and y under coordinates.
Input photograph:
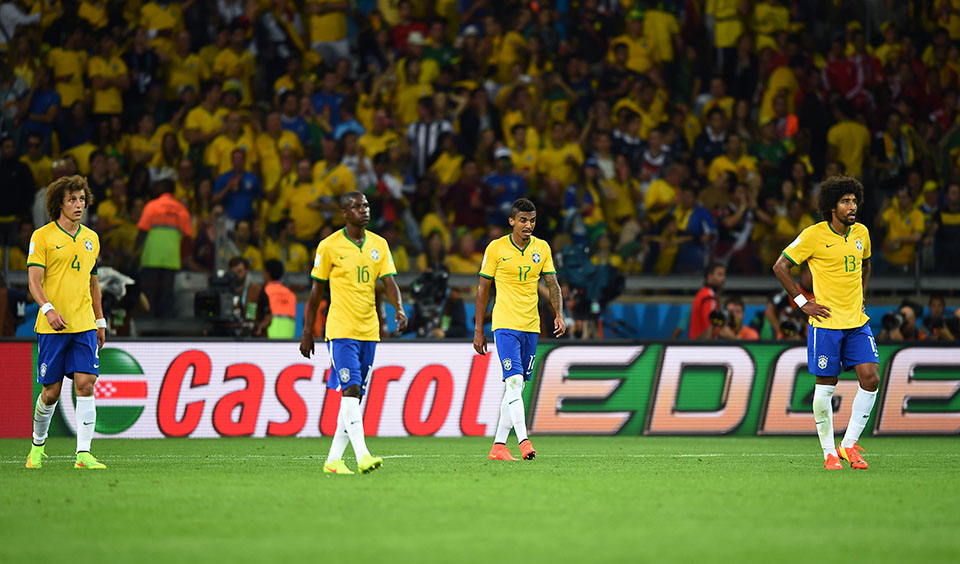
{"type": "Point", "coordinates": [234, 306]}
{"type": "Point", "coordinates": [939, 328]}
{"type": "Point", "coordinates": [706, 301]}
{"type": "Point", "coordinates": [727, 323]}
{"type": "Point", "coordinates": [901, 324]}
{"type": "Point", "coordinates": [782, 320]}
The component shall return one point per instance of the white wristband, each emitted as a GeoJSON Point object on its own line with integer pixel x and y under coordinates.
{"type": "Point", "coordinates": [101, 323]}
{"type": "Point", "coordinates": [800, 300]}
{"type": "Point", "coordinates": [46, 307]}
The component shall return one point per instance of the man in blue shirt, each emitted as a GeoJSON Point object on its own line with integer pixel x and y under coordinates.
{"type": "Point", "coordinates": [238, 191]}
{"type": "Point", "coordinates": [505, 185]}
{"type": "Point", "coordinates": [40, 107]}
{"type": "Point", "coordinates": [695, 220]}
{"type": "Point", "coordinates": [291, 119]}
{"type": "Point", "coordinates": [328, 97]}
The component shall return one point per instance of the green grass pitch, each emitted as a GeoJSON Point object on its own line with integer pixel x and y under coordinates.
{"type": "Point", "coordinates": [440, 500]}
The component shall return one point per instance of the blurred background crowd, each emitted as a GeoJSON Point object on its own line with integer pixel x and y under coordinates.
{"type": "Point", "coordinates": [654, 136]}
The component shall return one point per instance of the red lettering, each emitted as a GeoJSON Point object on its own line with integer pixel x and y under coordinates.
{"type": "Point", "coordinates": [291, 401]}
{"type": "Point", "coordinates": [376, 394]}
{"type": "Point", "coordinates": [442, 398]}
{"type": "Point", "coordinates": [469, 425]}
{"type": "Point", "coordinates": [170, 394]}
{"type": "Point", "coordinates": [247, 399]}
{"type": "Point", "coordinates": [331, 408]}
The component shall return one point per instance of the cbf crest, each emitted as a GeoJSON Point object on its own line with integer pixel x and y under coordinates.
{"type": "Point", "coordinates": [507, 363]}
{"type": "Point", "coordinates": [536, 258]}
{"type": "Point", "coordinates": [88, 245]}
{"type": "Point", "coordinates": [344, 375]}
{"type": "Point", "coordinates": [375, 254]}
{"type": "Point", "coordinates": [859, 245]}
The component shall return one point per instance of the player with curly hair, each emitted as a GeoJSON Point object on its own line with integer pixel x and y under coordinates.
{"type": "Point", "coordinates": [838, 252]}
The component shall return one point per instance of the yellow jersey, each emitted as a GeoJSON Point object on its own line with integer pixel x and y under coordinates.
{"type": "Point", "coordinates": [659, 192]}
{"type": "Point", "coordinates": [185, 71]}
{"type": "Point", "coordinates": [42, 170]}
{"type": "Point", "coordinates": [516, 273]}
{"type": "Point", "coordinates": [220, 153]}
{"type": "Point", "coordinates": [94, 12]}
{"type": "Point", "coordinates": [294, 256]}
{"type": "Point", "coordinates": [68, 262]}
{"type": "Point", "coordinates": [553, 164]}
{"type": "Point", "coordinates": [165, 18]}
{"type": "Point", "coordinates": [241, 67]}
{"type": "Point", "coordinates": [642, 52]}
{"type": "Point", "coordinates": [661, 27]}
{"type": "Point", "coordinates": [836, 262]}
{"type": "Point", "coordinates": [852, 142]}
{"type": "Point", "coordinates": [376, 144]}
{"type": "Point", "coordinates": [447, 168]}
{"type": "Point", "coordinates": [334, 181]}
{"type": "Point", "coordinates": [331, 26]}
{"type": "Point", "coordinates": [306, 220]}
{"type": "Point", "coordinates": [107, 100]}
{"type": "Point", "coordinates": [901, 225]}
{"type": "Point", "coordinates": [67, 64]}
{"type": "Point", "coordinates": [352, 271]}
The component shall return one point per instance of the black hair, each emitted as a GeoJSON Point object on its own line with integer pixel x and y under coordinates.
{"type": "Point", "coordinates": [733, 299]}
{"type": "Point", "coordinates": [345, 199]}
{"type": "Point", "coordinates": [835, 188]}
{"type": "Point", "coordinates": [715, 110]}
{"type": "Point", "coordinates": [234, 261]}
{"type": "Point", "coordinates": [274, 268]}
{"type": "Point", "coordinates": [521, 205]}
{"type": "Point", "coordinates": [711, 267]}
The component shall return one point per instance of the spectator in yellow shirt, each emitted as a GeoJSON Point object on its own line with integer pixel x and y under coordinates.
{"type": "Point", "coordinates": [237, 63]}
{"type": "Point", "coordinates": [849, 140]}
{"type": "Point", "coordinates": [233, 137]}
{"type": "Point", "coordinates": [94, 12]}
{"type": "Point", "coordinates": [163, 20]}
{"type": "Point", "coordinates": [642, 50]}
{"type": "Point", "coordinates": [380, 137]}
{"type": "Point", "coordinates": [109, 76]}
{"type": "Point", "coordinates": [328, 29]}
{"type": "Point", "coordinates": [563, 160]}
{"type": "Point", "coordinates": [904, 226]}
{"type": "Point", "coordinates": [294, 256]}
{"type": "Point", "coordinates": [270, 145]}
{"type": "Point", "coordinates": [735, 160]}
{"type": "Point", "coordinates": [185, 68]}
{"type": "Point", "coordinates": [204, 122]}
{"type": "Point", "coordinates": [41, 166]}
{"type": "Point", "coordinates": [67, 64]}
{"type": "Point", "coordinates": [466, 259]}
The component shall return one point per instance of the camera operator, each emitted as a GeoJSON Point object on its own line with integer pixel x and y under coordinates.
{"type": "Point", "coordinates": [901, 324]}
{"type": "Point", "coordinates": [781, 318]}
{"type": "Point", "coordinates": [438, 311]}
{"type": "Point", "coordinates": [706, 301]}
{"type": "Point", "coordinates": [727, 323]}
{"type": "Point", "coordinates": [251, 303]}
{"type": "Point", "coordinates": [939, 328]}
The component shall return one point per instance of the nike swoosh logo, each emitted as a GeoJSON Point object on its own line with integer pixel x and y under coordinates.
{"type": "Point", "coordinates": [828, 246]}
{"type": "Point", "coordinates": [90, 423]}
{"type": "Point", "coordinates": [341, 258]}
{"type": "Point", "coordinates": [59, 246]}
{"type": "Point", "coordinates": [506, 259]}
{"type": "Point", "coordinates": [96, 366]}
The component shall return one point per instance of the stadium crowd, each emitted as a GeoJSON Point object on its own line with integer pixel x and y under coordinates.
{"type": "Point", "coordinates": [653, 136]}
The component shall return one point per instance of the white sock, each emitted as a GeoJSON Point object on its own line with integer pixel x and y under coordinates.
{"type": "Point", "coordinates": [823, 415]}
{"type": "Point", "coordinates": [514, 399]}
{"type": "Point", "coordinates": [353, 422]}
{"type": "Point", "coordinates": [86, 421]}
{"type": "Point", "coordinates": [505, 423]}
{"type": "Point", "coordinates": [862, 406]}
{"type": "Point", "coordinates": [42, 414]}
{"type": "Point", "coordinates": [340, 440]}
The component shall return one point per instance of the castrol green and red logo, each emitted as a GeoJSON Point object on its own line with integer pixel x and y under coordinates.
{"type": "Point", "coordinates": [261, 389]}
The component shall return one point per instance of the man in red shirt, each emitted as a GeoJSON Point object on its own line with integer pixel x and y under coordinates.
{"type": "Point", "coordinates": [707, 300]}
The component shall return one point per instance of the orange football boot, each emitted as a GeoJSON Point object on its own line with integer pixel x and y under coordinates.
{"type": "Point", "coordinates": [832, 463]}
{"type": "Point", "coordinates": [500, 452]}
{"type": "Point", "coordinates": [527, 450]}
{"type": "Point", "coordinates": [852, 455]}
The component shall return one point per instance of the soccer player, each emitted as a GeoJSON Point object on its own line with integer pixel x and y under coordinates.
{"type": "Point", "coordinates": [838, 253]}
{"type": "Point", "coordinates": [62, 269]}
{"type": "Point", "coordinates": [516, 262]}
{"type": "Point", "coordinates": [351, 260]}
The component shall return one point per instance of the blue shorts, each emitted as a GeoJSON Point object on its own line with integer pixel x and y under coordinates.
{"type": "Point", "coordinates": [517, 349]}
{"type": "Point", "coordinates": [832, 351]}
{"type": "Point", "coordinates": [352, 363]}
{"type": "Point", "coordinates": [59, 355]}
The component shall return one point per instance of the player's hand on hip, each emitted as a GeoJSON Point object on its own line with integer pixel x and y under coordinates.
{"type": "Point", "coordinates": [306, 345]}
{"type": "Point", "coordinates": [101, 338]}
{"type": "Point", "coordinates": [57, 323]}
{"type": "Point", "coordinates": [559, 326]}
{"type": "Point", "coordinates": [815, 310]}
{"type": "Point", "coordinates": [401, 319]}
{"type": "Point", "coordinates": [480, 342]}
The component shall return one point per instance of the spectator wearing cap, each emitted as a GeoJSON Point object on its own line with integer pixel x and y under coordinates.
{"type": "Point", "coordinates": [220, 154]}
{"type": "Point", "coordinates": [328, 29]}
{"type": "Point", "coordinates": [429, 69]}
{"type": "Point", "coordinates": [293, 255]}
{"type": "Point", "coordinates": [424, 136]}
{"type": "Point", "coordinates": [642, 56]}
{"type": "Point", "coordinates": [406, 26]}
{"type": "Point", "coordinates": [505, 185]}
{"type": "Point", "coordinates": [238, 190]}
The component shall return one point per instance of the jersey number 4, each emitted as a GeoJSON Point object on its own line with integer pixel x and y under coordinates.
{"type": "Point", "coordinates": [76, 263]}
